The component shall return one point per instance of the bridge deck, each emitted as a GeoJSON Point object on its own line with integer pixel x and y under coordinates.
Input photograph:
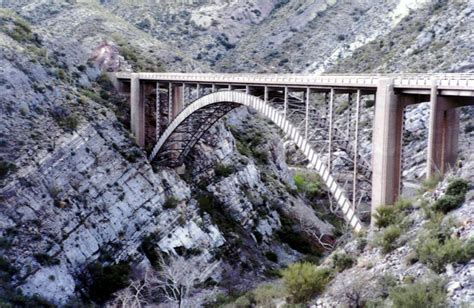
{"type": "Point", "coordinates": [455, 84]}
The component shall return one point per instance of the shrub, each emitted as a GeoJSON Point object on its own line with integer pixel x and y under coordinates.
{"type": "Point", "coordinates": [105, 280]}
{"type": "Point", "coordinates": [448, 203]}
{"type": "Point", "coordinates": [342, 261]}
{"type": "Point", "coordinates": [421, 294]}
{"type": "Point", "coordinates": [385, 216]}
{"type": "Point", "coordinates": [308, 184]}
{"type": "Point", "coordinates": [171, 203]}
{"type": "Point", "coordinates": [436, 251]}
{"type": "Point", "coordinates": [454, 196]}
{"type": "Point", "coordinates": [392, 214]}
{"type": "Point", "coordinates": [46, 260]}
{"type": "Point", "coordinates": [468, 249]}
{"type": "Point", "coordinates": [270, 255]}
{"type": "Point", "coordinates": [6, 269]}
{"type": "Point", "coordinates": [223, 171]}
{"type": "Point", "coordinates": [457, 187]}
{"type": "Point", "coordinates": [70, 123]}
{"type": "Point", "coordinates": [81, 68]}
{"type": "Point", "coordinates": [265, 295]}
{"type": "Point", "coordinates": [430, 183]}
{"type": "Point", "coordinates": [6, 168]}
{"type": "Point", "coordinates": [104, 81]}
{"type": "Point", "coordinates": [243, 149]}
{"type": "Point", "coordinates": [387, 238]}
{"type": "Point", "coordinates": [60, 74]}
{"type": "Point", "coordinates": [261, 156]}
{"type": "Point", "coordinates": [303, 281]}
{"type": "Point", "coordinates": [147, 247]}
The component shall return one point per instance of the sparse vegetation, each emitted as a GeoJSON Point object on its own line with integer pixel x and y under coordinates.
{"type": "Point", "coordinates": [420, 294]}
{"type": "Point", "coordinates": [103, 281]}
{"type": "Point", "coordinates": [270, 255]}
{"type": "Point", "coordinates": [342, 261]}
{"type": "Point", "coordinates": [147, 247]}
{"type": "Point", "coordinates": [139, 61]}
{"type": "Point", "coordinates": [262, 296]}
{"type": "Point", "coordinates": [6, 168]}
{"type": "Point", "coordinates": [387, 238]}
{"type": "Point", "coordinates": [454, 196]}
{"type": "Point", "coordinates": [308, 183]}
{"type": "Point", "coordinates": [70, 123]}
{"type": "Point", "coordinates": [222, 170]}
{"type": "Point", "coordinates": [16, 27]}
{"type": "Point", "coordinates": [430, 183]}
{"type": "Point", "coordinates": [171, 203]}
{"type": "Point", "coordinates": [45, 259]}
{"type": "Point", "coordinates": [304, 280]}
{"type": "Point", "coordinates": [392, 214]}
{"type": "Point", "coordinates": [437, 246]}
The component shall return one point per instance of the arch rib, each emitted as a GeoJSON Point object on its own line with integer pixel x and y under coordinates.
{"type": "Point", "coordinates": [279, 119]}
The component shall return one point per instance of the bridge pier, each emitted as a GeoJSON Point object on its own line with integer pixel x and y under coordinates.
{"type": "Point", "coordinates": [137, 110]}
{"type": "Point", "coordinates": [387, 135]}
{"type": "Point", "coordinates": [443, 133]}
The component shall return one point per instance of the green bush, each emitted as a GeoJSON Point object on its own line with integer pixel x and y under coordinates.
{"type": "Point", "coordinates": [105, 280]}
{"type": "Point", "coordinates": [105, 83]}
{"type": "Point", "coordinates": [60, 74]}
{"type": "Point", "coordinates": [70, 123]}
{"type": "Point", "coordinates": [148, 246]}
{"type": "Point", "coordinates": [171, 203]}
{"type": "Point", "coordinates": [430, 183]}
{"type": "Point", "coordinates": [385, 216]}
{"type": "Point", "coordinates": [46, 260]}
{"type": "Point", "coordinates": [17, 28]}
{"type": "Point", "coordinates": [308, 184]}
{"type": "Point", "coordinates": [222, 170]}
{"type": "Point", "coordinates": [421, 294]}
{"type": "Point", "coordinates": [448, 203]}
{"type": "Point", "coordinates": [438, 248]}
{"type": "Point", "coordinates": [304, 280]}
{"type": "Point", "coordinates": [265, 295]}
{"type": "Point", "coordinates": [388, 237]}
{"type": "Point", "coordinates": [454, 196]}
{"type": "Point", "coordinates": [457, 187]}
{"type": "Point", "coordinates": [342, 261]}
{"type": "Point", "coordinates": [392, 214]}
{"type": "Point", "coordinates": [261, 156]}
{"type": "Point", "coordinates": [468, 250]}
{"type": "Point", "coordinates": [243, 148]}
{"type": "Point", "coordinates": [271, 256]}
{"type": "Point", "coordinates": [5, 168]}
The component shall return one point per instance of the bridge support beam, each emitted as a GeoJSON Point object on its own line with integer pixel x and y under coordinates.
{"type": "Point", "coordinates": [386, 149]}
{"type": "Point", "coordinates": [137, 110]}
{"type": "Point", "coordinates": [443, 134]}
{"type": "Point", "coordinates": [177, 102]}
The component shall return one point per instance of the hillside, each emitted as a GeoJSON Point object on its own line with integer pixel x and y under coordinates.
{"type": "Point", "coordinates": [85, 219]}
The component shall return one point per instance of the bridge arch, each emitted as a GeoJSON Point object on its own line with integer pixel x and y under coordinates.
{"type": "Point", "coordinates": [229, 100]}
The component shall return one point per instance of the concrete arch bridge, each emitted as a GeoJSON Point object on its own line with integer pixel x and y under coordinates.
{"type": "Point", "coordinates": [320, 114]}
